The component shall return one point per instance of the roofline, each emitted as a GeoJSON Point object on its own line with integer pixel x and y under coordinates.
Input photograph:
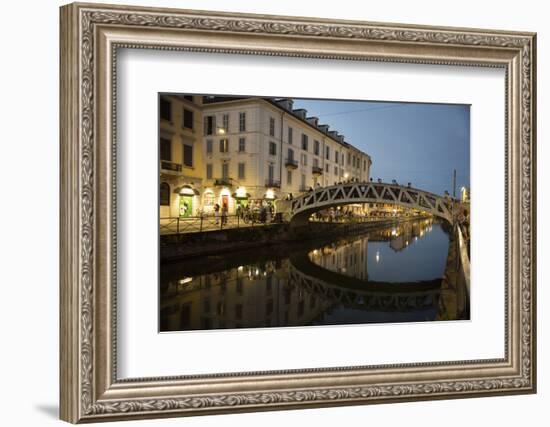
{"type": "Point", "coordinates": [274, 104]}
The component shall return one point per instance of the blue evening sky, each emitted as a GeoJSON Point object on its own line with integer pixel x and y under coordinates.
{"type": "Point", "coordinates": [408, 142]}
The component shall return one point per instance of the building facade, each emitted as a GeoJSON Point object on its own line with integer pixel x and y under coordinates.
{"type": "Point", "coordinates": [251, 151]}
{"type": "Point", "coordinates": [181, 163]}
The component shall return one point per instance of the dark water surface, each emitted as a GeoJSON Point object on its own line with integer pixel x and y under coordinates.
{"type": "Point", "coordinates": [393, 274]}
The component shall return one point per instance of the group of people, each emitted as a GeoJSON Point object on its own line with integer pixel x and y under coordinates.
{"type": "Point", "coordinates": [256, 212]}
{"type": "Point", "coordinates": [223, 210]}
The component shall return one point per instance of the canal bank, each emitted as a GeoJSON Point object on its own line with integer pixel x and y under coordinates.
{"type": "Point", "coordinates": [174, 247]}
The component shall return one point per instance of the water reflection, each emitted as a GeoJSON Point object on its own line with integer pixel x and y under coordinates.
{"type": "Point", "coordinates": [389, 275]}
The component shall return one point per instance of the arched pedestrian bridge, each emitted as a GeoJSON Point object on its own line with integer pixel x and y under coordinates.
{"type": "Point", "coordinates": [299, 210]}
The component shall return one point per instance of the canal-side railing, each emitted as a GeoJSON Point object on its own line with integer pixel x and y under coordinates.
{"type": "Point", "coordinates": [202, 223]}
{"type": "Point", "coordinates": [464, 257]}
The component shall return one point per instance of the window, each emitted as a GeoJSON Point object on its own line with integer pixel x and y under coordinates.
{"type": "Point", "coordinates": [165, 149]}
{"type": "Point", "coordinates": [188, 155]}
{"type": "Point", "coordinates": [271, 126]}
{"type": "Point", "coordinates": [326, 168]}
{"type": "Point", "coordinates": [316, 147]}
{"type": "Point", "coordinates": [289, 177]}
{"type": "Point", "coordinates": [164, 194]}
{"type": "Point", "coordinates": [336, 156]}
{"type": "Point", "coordinates": [290, 135]}
{"type": "Point", "coordinates": [165, 110]}
{"type": "Point", "coordinates": [242, 122]}
{"type": "Point", "coordinates": [336, 170]}
{"type": "Point", "coordinates": [303, 181]}
{"type": "Point", "coordinates": [290, 154]}
{"type": "Point", "coordinates": [209, 171]}
{"type": "Point", "coordinates": [349, 158]}
{"type": "Point", "coordinates": [224, 145]}
{"type": "Point", "coordinates": [188, 97]}
{"type": "Point", "coordinates": [304, 142]}
{"type": "Point", "coordinates": [316, 162]}
{"type": "Point", "coordinates": [304, 159]}
{"type": "Point", "coordinates": [242, 145]}
{"type": "Point", "coordinates": [327, 153]}
{"type": "Point", "coordinates": [225, 170]}
{"type": "Point", "coordinates": [209, 146]}
{"type": "Point", "coordinates": [239, 311]}
{"type": "Point", "coordinates": [209, 198]}
{"type": "Point", "coordinates": [270, 172]}
{"type": "Point", "coordinates": [364, 165]}
{"type": "Point", "coordinates": [209, 125]}
{"type": "Point", "coordinates": [241, 170]}
{"type": "Point", "coordinates": [187, 119]}
{"type": "Point", "coordinates": [272, 148]}
{"type": "Point", "coordinates": [225, 122]}
{"type": "Point", "coordinates": [269, 307]}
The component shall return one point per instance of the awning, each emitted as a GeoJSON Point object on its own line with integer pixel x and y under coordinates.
{"type": "Point", "coordinates": [245, 196]}
{"type": "Point", "coordinates": [186, 190]}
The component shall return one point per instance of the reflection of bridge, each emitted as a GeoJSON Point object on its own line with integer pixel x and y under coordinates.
{"type": "Point", "coordinates": [363, 295]}
{"type": "Point", "coordinates": [300, 209]}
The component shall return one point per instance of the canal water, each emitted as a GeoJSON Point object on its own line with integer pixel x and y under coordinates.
{"type": "Point", "coordinates": [391, 274]}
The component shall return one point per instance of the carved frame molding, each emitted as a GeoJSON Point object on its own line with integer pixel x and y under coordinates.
{"type": "Point", "coordinates": [90, 37]}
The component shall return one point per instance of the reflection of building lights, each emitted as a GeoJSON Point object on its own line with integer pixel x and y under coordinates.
{"type": "Point", "coordinates": [185, 280]}
{"type": "Point", "coordinates": [377, 256]}
{"type": "Point", "coordinates": [240, 268]}
{"type": "Point", "coordinates": [257, 272]}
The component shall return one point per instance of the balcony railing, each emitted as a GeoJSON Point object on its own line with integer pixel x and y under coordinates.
{"type": "Point", "coordinates": [316, 170]}
{"type": "Point", "coordinates": [272, 183]}
{"type": "Point", "coordinates": [224, 182]}
{"type": "Point", "coordinates": [291, 163]}
{"type": "Point", "coordinates": [168, 165]}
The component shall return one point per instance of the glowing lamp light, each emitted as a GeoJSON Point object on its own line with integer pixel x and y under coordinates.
{"type": "Point", "coordinates": [186, 191]}
{"type": "Point", "coordinates": [269, 194]}
{"type": "Point", "coordinates": [241, 192]}
{"type": "Point", "coordinates": [346, 175]}
{"type": "Point", "coordinates": [377, 256]}
{"type": "Point", "coordinates": [185, 280]}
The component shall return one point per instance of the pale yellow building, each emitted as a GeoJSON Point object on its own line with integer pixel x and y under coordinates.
{"type": "Point", "coordinates": [231, 151]}
{"type": "Point", "coordinates": [181, 163]}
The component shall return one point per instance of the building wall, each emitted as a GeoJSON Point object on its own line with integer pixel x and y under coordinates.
{"type": "Point", "coordinates": [258, 158]}
{"type": "Point", "coordinates": [179, 135]}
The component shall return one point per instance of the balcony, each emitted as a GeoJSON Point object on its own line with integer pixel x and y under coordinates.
{"type": "Point", "coordinates": [316, 170]}
{"type": "Point", "coordinates": [170, 167]}
{"type": "Point", "coordinates": [305, 188]}
{"type": "Point", "coordinates": [224, 182]}
{"type": "Point", "coordinates": [291, 164]}
{"type": "Point", "coordinates": [271, 183]}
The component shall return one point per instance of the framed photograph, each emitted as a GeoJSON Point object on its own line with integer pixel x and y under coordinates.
{"type": "Point", "coordinates": [268, 212]}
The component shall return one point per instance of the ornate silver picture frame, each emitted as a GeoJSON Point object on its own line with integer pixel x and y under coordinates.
{"type": "Point", "coordinates": [91, 34]}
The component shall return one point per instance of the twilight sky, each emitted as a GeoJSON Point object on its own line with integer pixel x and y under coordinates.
{"type": "Point", "coordinates": [417, 143]}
